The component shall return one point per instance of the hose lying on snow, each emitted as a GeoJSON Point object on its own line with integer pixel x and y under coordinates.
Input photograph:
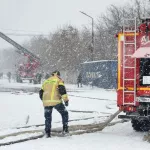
{"type": "Point", "coordinates": [74, 130]}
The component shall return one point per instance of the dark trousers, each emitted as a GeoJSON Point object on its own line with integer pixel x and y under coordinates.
{"type": "Point", "coordinates": [79, 84]}
{"type": "Point", "coordinates": [48, 116]}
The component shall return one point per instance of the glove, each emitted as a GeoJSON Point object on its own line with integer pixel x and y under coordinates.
{"type": "Point", "coordinates": [66, 103]}
{"type": "Point", "coordinates": [41, 94]}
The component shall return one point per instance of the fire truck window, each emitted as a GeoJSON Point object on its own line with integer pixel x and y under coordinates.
{"type": "Point", "coordinates": [145, 71]}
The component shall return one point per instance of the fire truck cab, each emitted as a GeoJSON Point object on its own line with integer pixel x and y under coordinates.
{"type": "Point", "coordinates": [133, 87]}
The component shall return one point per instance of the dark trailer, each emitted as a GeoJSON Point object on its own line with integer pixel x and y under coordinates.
{"type": "Point", "coordinates": [101, 73]}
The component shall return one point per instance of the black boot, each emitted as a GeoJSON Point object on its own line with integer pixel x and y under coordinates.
{"type": "Point", "coordinates": [48, 134]}
{"type": "Point", "coordinates": [65, 129]}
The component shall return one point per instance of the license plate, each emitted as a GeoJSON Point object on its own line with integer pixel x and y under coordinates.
{"type": "Point", "coordinates": [143, 99]}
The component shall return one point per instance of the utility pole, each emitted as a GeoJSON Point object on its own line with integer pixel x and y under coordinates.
{"type": "Point", "coordinates": [92, 42]}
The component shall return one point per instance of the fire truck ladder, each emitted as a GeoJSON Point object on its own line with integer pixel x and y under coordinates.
{"type": "Point", "coordinates": [20, 49]}
{"type": "Point", "coordinates": [129, 92]}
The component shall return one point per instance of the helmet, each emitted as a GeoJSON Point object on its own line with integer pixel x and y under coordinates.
{"type": "Point", "coordinates": [56, 72]}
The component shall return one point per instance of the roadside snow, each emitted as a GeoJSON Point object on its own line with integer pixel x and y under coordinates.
{"type": "Point", "coordinates": [16, 107]}
{"type": "Point", "coordinates": [118, 137]}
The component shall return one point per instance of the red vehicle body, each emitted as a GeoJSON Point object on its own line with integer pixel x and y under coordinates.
{"type": "Point", "coordinates": [133, 89]}
{"type": "Point", "coordinates": [25, 71]}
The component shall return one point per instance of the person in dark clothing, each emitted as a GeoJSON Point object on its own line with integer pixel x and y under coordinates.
{"type": "Point", "coordinates": [9, 76]}
{"type": "Point", "coordinates": [47, 76]}
{"type": "Point", "coordinates": [79, 80]}
{"type": "Point", "coordinates": [1, 75]}
{"type": "Point", "coordinates": [38, 78]}
{"type": "Point", "coordinates": [53, 94]}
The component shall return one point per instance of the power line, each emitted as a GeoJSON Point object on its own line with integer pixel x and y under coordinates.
{"type": "Point", "coordinates": [27, 34]}
{"type": "Point", "coordinates": [20, 30]}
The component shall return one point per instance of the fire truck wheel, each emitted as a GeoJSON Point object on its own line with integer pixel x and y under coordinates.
{"type": "Point", "coordinates": [136, 125]}
{"type": "Point", "coordinates": [143, 125]}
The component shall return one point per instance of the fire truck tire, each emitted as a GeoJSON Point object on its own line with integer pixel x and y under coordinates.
{"type": "Point", "coordinates": [140, 125]}
{"type": "Point", "coordinates": [136, 125]}
{"type": "Point", "coordinates": [145, 125]}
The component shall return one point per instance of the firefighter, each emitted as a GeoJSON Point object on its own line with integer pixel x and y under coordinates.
{"type": "Point", "coordinates": [53, 94]}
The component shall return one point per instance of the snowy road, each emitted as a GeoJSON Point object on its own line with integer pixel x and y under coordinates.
{"type": "Point", "coordinates": [17, 108]}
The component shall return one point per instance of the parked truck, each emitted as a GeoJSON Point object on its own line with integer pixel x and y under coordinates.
{"type": "Point", "coordinates": [133, 85]}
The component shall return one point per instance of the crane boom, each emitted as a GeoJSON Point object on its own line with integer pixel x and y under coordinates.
{"type": "Point", "coordinates": [19, 47]}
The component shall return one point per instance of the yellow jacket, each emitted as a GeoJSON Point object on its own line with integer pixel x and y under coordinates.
{"type": "Point", "coordinates": [54, 91]}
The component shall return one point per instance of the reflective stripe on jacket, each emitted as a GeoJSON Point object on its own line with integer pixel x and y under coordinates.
{"type": "Point", "coordinates": [51, 94]}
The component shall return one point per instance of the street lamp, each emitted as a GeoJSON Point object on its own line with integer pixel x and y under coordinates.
{"type": "Point", "coordinates": [92, 43]}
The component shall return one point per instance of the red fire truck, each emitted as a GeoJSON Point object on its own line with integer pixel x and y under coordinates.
{"type": "Point", "coordinates": [133, 89]}
{"type": "Point", "coordinates": [27, 70]}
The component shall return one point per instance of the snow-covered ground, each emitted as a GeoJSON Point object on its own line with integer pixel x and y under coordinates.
{"type": "Point", "coordinates": [25, 108]}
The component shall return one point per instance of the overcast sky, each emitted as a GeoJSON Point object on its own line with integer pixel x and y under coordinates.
{"type": "Point", "coordinates": [44, 16]}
